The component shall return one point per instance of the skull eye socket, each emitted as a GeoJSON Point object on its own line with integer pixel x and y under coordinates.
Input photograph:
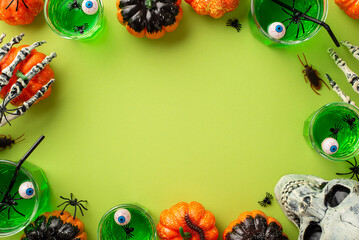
{"type": "Point", "coordinates": [313, 232]}
{"type": "Point", "coordinates": [336, 195]}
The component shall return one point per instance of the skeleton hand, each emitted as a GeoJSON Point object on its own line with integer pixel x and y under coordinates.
{"type": "Point", "coordinates": [22, 81]}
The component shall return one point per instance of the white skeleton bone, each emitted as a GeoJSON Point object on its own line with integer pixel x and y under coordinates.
{"type": "Point", "coordinates": [22, 81]}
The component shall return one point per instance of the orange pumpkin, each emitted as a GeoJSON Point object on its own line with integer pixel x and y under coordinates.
{"type": "Point", "coordinates": [149, 18]}
{"type": "Point", "coordinates": [20, 12]}
{"type": "Point", "coordinates": [351, 7]}
{"type": "Point", "coordinates": [55, 225]}
{"type": "Point", "coordinates": [214, 8]}
{"type": "Point", "coordinates": [187, 221]}
{"type": "Point", "coordinates": [254, 225]}
{"type": "Point", "coordinates": [24, 66]}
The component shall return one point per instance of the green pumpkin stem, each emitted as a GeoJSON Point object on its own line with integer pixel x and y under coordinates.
{"type": "Point", "coordinates": [148, 4]}
{"type": "Point", "coordinates": [185, 235]}
{"type": "Point", "coordinates": [21, 75]}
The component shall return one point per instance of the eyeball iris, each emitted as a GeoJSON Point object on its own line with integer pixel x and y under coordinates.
{"type": "Point", "coordinates": [330, 145]}
{"type": "Point", "coordinates": [90, 7]}
{"type": "Point", "coordinates": [26, 190]}
{"type": "Point", "coordinates": [122, 216]}
{"type": "Point", "coordinates": [276, 30]}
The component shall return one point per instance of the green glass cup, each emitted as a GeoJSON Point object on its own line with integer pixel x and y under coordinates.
{"type": "Point", "coordinates": [333, 131]}
{"type": "Point", "coordinates": [74, 19]}
{"type": "Point", "coordinates": [30, 192]}
{"type": "Point", "coordinates": [266, 12]}
{"type": "Point", "coordinates": [127, 221]}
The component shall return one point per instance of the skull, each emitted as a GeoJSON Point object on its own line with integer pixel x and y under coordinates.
{"type": "Point", "coordinates": [320, 209]}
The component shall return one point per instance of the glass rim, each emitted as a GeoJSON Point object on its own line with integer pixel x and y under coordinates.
{"type": "Point", "coordinates": [80, 37]}
{"type": "Point", "coordinates": [128, 205]}
{"type": "Point", "coordinates": [311, 125]}
{"type": "Point", "coordinates": [23, 225]}
{"type": "Point", "coordinates": [309, 36]}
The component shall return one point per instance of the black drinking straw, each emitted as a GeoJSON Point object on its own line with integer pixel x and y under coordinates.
{"type": "Point", "coordinates": [22, 160]}
{"type": "Point", "coordinates": [321, 23]}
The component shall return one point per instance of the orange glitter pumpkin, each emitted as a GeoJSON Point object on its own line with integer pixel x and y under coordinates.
{"type": "Point", "coordinates": [214, 8]}
{"type": "Point", "coordinates": [20, 12]}
{"type": "Point", "coordinates": [254, 225]}
{"type": "Point", "coordinates": [24, 66]}
{"type": "Point", "coordinates": [351, 7]}
{"type": "Point", "coordinates": [187, 221]}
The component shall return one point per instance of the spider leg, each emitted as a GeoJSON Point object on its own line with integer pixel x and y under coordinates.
{"type": "Point", "coordinates": [25, 4]}
{"type": "Point", "coordinates": [62, 204]}
{"type": "Point", "coordinates": [8, 214]}
{"type": "Point", "coordinates": [64, 208]}
{"type": "Point", "coordinates": [356, 175]}
{"type": "Point", "coordinates": [350, 163]}
{"type": "Point", "coordinates": [352, 176]}
{"type": "Point", "coordinates": [292, 15]}
{"type": "Point", "coordinates": [64, 198]}
{"type": "Point", "coordinates": [9, 4]}
{"type": "Point", "coordinates": [302, 26]}
{"type": "Point", "coordinates": [82, 206]}
{"type": "Point", "coordinates": [17, 211]}
{"type": "Point", "coordinates": [356, 164]}
{"type": "Point", "coordinates": [344, 173]}
{"type": "Point", "coordinates": [75, 212]}
{"type": "Point", "coordinates": [71, 195]}
{"type": "Point", "coordinates": [308, 10]}
{"type": "Point", "coordinates": [17, 5]}
{"type": "Point", "coordinates": [297, 30]}
{"type": "Point", "coordinates": [286, 20]}
{"type": "Point", "coordinates": [80, 210]}
{"type": "Point", "coordinates": [311, 85]}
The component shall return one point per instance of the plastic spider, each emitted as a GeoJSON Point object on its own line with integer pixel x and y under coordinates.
{"type": "Point", "coordinates": [354, 170]}
{"type": "Point", "coordinates": [74, 4]}
{"type": "Point", "coordinates": [73, 202]}
{"type": "Point", "coordinates": [335, 131]}
{"type": "Point", "coordinates": [296, 17]}
{"type": "Point", "coordinates": [128, 231]}
{"type": "Point", "coordinates": [350, 120]}
{"type": "Point", "coordinates": [81, 29]}
{"type": "Point", "coordinates": [267, 200]}
{"type": "Point", "coordinates": [235, 24]}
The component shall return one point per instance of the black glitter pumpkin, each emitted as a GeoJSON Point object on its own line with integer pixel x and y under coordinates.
{"type": "Point", "coordinates": [150, 18]}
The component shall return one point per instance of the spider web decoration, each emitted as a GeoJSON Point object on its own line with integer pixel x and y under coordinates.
{"type": "Point", "coordinates": [7, 115]}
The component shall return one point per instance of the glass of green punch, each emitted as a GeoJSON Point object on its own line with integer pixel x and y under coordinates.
{"type": "Point", "coordinates": [127, 221]}
{"type": "Point", "coordinates": [266, 12]}
{"type": "Point", "coordinates": [29, 193]}
{"type": "Point", "coordinates": [333, 131]}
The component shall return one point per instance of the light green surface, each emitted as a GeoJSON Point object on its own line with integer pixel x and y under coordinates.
{"type": "Point", "coordinates": [205, 114]}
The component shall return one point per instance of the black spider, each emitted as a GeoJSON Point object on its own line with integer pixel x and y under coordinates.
{"type": "Point", "coordinates": [17, 4]}
{"type": "Point", "coordinates": [234, 23]}
{"type": "Point", "coordinates": [81, 29]}
{"type": "Point", "coordinates": [73, 202]}
{"type": "Point", "coordinates": [9, 201]}
{"type": "Point", "coordinates": [128, 231]}
{"type": "Point", "coordinates": [267, 200]}
{"type": "Point", "coordinates": [350, 120]}
{"type": "Point", "coordinates": [354, 170]}
{"type": "Point", "coordinates": [335, 131]}
{"type": "Point", "coordinates": [74, 4]}
{"type": "Point", "coordinates": [296, 17]}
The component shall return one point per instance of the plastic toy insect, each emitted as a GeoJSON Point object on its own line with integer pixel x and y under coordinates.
{"type": "Point", "coordinates": [354, 170]}
{"type": "Point", "coordinates": [296, 17]}
{"type": "Point", "coordinates": [350, 121]}
{"type": "Point", "coordinates": [267, 200]}
{"type": "Point", "coordinates": [73, 202]}
{"type": "Point", "coordinates": [37, 80]}
{"type": "Point", "coordinates": [56, 225]}
{"type": "Point", "coordinates": [235, 24]}
{"type": "Point", "coordinates": [335, 131]}
{"type": "Point", "coordinates": [312, 76]}
{"type": "Point", "coordinates": [9, 201]}
{"type": "Point", "coordinates": [81, 29]}
{"type": "Point", "coordinates": [8, 141]}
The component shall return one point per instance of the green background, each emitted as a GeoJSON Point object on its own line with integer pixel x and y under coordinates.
{"type": "Point", "coordinates": [204, 114]}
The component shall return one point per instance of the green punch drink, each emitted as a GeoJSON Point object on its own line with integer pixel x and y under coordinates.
{"type": "Point", "coordinates": [333, 131]}
{"type": "Point", "coordinates": [127, 221]}
{"type": "Point", "coordinates": [29, 193]}
{"type": "Point", "coordinates": [268, 19]}
{"type": "Point", "coordinates": [74, 19]}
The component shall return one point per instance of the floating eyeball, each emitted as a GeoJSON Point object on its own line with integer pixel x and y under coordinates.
{"type": "Point", "coordinates": [90, 7]}
{"type": "Point", "coordinates": [330, 145]}
{"type": "Point", "coordinates": [276, 30]}
{"type": "Point", "coordinates": [122, 216]}
{"type": "Point", "coordinates": [26, 190]}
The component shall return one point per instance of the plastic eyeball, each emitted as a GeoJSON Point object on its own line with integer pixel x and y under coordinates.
{"type": "Point", "coordinates": [330, 145]}
{"type": "Point", "coordinates": [276, 30]}
{"type": "Point", "coordinates": [90, 7]}
{"type": "Point", "coordinates": [26, 190]}
{"type": "Point", "coordinates": [122, 216]}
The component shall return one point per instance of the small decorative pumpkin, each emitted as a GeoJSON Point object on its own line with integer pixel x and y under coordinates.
{"type": "Point", "coordinates": [214, 8]}
{"type": "Point", "coordinates": [351, 7]}
{"type": "Point", "coordinates": [35, 84]}
{"type": "Point", "coordinates": [254, 225]}
{"type": "Point", "coordinates": [188, 221]}
{"type": "Point", "coordinates": [150, 18]}
{"type": "Point", "coordinates": [20, 12]}
{"type": "Point", "coordinates": [55, 225]}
